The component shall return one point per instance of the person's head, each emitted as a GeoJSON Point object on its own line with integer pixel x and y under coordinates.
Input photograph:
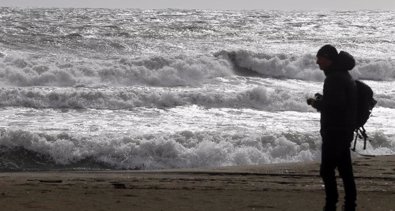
{"type": "Point", "coordinates": [326, 56]}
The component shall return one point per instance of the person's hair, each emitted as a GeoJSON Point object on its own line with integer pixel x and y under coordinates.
{"type": "Point", "coordinates": [328, 51]}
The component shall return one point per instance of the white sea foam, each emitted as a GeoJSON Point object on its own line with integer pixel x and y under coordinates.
{"type": "Point", "coordinates": [302, 67]}
{"type": "Point", "coordinates": [260, 94]}
{"type": "Point", "coordinates": [376, 70]}
{"type": "Point", "coordinates": [181, 150]}
{"type": "Point", "coordinates": [155, 71]}
{"type": "Point", "coordinates": [168, 71]}
{"type": "Point", "coordinates": [258, 97]}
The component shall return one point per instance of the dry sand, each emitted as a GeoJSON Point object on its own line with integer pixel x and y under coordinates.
{"type": "Point", "coordinates": [295, 187]}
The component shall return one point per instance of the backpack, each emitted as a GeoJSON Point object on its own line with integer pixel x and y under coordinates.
{"type": "Point", "coordinates": [366, 102]}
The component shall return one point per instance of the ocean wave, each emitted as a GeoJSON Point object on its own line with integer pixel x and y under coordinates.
{"type": "Point", "coordinates": [256, 97]}
{"type": "Point", "coordinates": [273, 66]}
{"type": "Point", "coordinates": [171, 71]}
{"type": "Point", "coordinates": [375, 70]}
{"type": "Point", "coordinates": [301, 67]}
{"type": "Point", "coordinates": [22, 150]}
{"type": "Point", "coordinates": [259, 97]}
{"type": "Point", "coordinates": [17, 70]}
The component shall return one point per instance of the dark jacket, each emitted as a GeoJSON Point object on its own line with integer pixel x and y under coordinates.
{"type": "Point", "coordinates": [338, 105]}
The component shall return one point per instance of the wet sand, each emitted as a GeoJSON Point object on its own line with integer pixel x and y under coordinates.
{"type": "Point", "coordinates": [294, 186]}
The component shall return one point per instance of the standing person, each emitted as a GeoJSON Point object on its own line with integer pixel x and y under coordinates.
{"type": "Point", "coordinates": [338, 106]}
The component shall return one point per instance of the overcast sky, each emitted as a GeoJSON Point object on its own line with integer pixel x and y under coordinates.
{"type": "Point", "coordinates": [209, 4]}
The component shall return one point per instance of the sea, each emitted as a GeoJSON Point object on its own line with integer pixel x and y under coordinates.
{"type": "Point", "coordinates": [133, 89]}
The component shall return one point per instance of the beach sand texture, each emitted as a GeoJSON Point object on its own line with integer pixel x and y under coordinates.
{"type": "Point", "coordinates": [294, 186]}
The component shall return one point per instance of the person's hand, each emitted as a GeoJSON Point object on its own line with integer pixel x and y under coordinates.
{"type": "Point", "coordinates": [310, 101]}
{"type": "Point", "coordinates": [318, 96]}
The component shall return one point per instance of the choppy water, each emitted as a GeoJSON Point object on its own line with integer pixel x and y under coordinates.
{"type": "Point", "coordinates": [148, 89]}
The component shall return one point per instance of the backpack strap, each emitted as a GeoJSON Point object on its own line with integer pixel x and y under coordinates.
{"type": "Point", "coordinates": [365, 137]}
{"type": "Point", "coordinates": [355, 140]}
{"type": "Point", "coordinates": [360, 133]}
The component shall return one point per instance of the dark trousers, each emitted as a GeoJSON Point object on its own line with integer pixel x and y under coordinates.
{"type": "Point", "coordinates": [336, 154]}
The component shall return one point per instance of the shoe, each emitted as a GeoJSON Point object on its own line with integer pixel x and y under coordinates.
{"type": "Point", "coordinates": [329, 208]}
{"type": "Point", "coordinates": [348, 208]}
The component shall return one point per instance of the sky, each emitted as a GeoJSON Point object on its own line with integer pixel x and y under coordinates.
{"type": "Point", "coordinates": [210, 4]}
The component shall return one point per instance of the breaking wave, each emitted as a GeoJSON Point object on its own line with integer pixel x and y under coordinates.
{"type": "Point", "coordinates": [302, 67]}
{"type": "Point", "coordinates": [259, 97]}
{"type": "Point", "coordinates": [171, 71]}
{"type": "Point", "coordinates": [122, 71]}
{"type": "Point", "coordinates": [21, 150]}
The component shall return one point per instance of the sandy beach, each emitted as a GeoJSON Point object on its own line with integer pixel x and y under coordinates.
{"type": "Point", "coordinates": [294, 186]}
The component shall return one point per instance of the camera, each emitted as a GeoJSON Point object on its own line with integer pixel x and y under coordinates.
{"type": "Point", "coordinates": [317, 97]}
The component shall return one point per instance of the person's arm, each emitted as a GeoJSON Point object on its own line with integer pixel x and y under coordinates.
{"type": "Point", "coordinates": [335, 97]}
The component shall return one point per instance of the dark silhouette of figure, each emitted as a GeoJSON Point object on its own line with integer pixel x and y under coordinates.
{"type": "Point", "coordinates": [338, 107]}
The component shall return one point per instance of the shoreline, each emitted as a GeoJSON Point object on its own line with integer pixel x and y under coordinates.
{"type": "Point", "coordinates": [291, 186]}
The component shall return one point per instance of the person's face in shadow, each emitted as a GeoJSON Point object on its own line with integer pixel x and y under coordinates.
{"type": "Point", "coordinates": [323, 62]}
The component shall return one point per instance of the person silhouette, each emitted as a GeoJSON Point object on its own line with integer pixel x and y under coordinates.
{"type": "Point", "coordinates": [338, 107]}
